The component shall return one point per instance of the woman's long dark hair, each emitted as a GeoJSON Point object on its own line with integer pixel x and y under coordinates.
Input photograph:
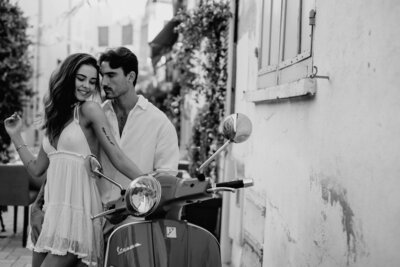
{"type": "Point", "coordinates": [61, 99]}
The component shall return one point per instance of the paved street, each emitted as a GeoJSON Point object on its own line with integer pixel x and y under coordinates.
{"type": "Point", "coordinates": [12, 254]}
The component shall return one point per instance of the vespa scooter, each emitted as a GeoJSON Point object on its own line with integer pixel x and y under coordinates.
{"type": "Point", "coordinates": [159, 237]}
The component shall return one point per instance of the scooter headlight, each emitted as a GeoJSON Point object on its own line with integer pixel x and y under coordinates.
{"type": "Point", "coordinates": [143, 195]}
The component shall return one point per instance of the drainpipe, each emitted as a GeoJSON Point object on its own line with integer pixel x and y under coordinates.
{"type": "Point", "coordinates": [225, 240]}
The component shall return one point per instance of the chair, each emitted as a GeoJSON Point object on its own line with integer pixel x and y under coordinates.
{"type": "Point", "coordinates": [18, 188]}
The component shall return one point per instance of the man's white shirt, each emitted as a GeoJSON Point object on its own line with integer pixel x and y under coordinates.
{"type": "Point", "coordinates": [149, 139]}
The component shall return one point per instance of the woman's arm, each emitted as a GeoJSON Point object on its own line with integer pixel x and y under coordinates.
{"type": "Point", "coordinates": [36, 166]}
{"type": "Point", "coordinates": [97, 120]}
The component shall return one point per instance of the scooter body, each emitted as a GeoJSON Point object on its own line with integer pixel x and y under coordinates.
{"type": "Point", "coordinates": [161, 238]}
{"type": "Point", "coordinates": [162, 243]}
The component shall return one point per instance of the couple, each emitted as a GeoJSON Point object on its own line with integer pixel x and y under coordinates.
{"type": "Point", "coordinates": [127, 133]}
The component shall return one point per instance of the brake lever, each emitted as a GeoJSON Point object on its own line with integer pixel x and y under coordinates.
{"type": "Point", "coordinates": [107, 212]}
{"type": "Point", "coordinates": [217, 189]}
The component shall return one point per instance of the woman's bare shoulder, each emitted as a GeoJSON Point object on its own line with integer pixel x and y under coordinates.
{"type": "Point", "coordinates": [90, 106]}
{"type": "Point", "coordinates": [91, 110]}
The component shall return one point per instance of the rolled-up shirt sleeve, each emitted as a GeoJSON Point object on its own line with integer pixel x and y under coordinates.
{"type": "Point", "coordinates": [167, 150]}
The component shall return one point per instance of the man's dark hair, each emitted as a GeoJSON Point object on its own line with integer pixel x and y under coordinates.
{"type": "Point", "coordinates": [121, 57]}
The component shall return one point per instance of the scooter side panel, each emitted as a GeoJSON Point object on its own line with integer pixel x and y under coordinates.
{"type": "Point", "coordinates": [181, 244]}
{"type": "Point", "coordinates": [130, 245]}
{"type": "Point", "coordinates": [205, 250]}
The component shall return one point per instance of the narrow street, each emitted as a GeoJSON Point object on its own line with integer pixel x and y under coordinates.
{"type": "Point", "coordinates": [318, 81]}
{"type": "Point", "coordinates": [12, 254]}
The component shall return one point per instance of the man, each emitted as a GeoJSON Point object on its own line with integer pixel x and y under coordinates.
{"type": "Point", "coordinates": [144, 133]}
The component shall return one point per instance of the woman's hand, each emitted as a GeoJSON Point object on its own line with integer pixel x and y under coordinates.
{"type": "Point", "coordinates": [13, 124]}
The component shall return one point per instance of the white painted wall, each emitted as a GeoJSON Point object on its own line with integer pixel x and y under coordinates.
{"type": "Point", "coordinates": [326, 169]}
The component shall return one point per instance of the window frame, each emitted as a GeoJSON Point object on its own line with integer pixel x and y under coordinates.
{"type": "Point", "coordinates": [103, 41]}
{"type": "Point", "coordinates": [287, 72]}
{"type": "Point", "coordinates": [126, 34]}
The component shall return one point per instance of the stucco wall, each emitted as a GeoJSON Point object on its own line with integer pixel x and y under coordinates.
{"type": "Point", "coordinates": [326, 169]}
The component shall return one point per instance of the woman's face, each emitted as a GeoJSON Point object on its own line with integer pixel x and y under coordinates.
{"type": "Point", "coordinates": [85, 82]}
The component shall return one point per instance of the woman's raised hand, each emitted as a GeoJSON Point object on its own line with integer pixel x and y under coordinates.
{"type": "Point", "coordinates": [13, 124]}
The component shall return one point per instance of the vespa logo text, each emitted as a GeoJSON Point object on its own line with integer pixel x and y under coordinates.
{"type": "Point", "coordinates": [123, 250]}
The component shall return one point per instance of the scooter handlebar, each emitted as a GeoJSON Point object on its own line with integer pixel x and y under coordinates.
{"type": "Point", "coordinates": [236, 184]}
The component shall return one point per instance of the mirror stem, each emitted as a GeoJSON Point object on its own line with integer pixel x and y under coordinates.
{"type": "Point", "coordinates": [108, 179]}
{"type": "Point", "coordinates": [205, 164]}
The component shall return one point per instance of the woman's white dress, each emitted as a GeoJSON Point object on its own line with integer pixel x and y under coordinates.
{"type": "Point", "coordinates": [71, 197]}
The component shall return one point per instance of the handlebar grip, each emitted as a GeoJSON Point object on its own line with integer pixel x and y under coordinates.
{"type": "Point", "coordinates": [236, 184]}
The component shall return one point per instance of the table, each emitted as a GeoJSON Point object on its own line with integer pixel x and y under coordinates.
{"type": "Point", "coordinates": [18, 188]}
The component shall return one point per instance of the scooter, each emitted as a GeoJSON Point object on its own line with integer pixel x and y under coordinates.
{"type": "Point", "coordinates": [159, 237]}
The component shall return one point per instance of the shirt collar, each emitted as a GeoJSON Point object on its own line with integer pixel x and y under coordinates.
{"type": "Point", "coordinates": [141, 103]}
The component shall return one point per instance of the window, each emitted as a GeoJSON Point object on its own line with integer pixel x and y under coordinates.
{"type": "Point", "coordinates": [103, 35]}
{"type": "Point", "coordinates": [127, 34]}
{"type": "Point", "coordinates": [284, 53]}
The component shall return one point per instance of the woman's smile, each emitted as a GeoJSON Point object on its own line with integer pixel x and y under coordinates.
{"type": "Point", "coordinates": [85, 92]}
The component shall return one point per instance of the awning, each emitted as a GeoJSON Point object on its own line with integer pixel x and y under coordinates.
{"type": "Point", "coordinates": [164, 40]}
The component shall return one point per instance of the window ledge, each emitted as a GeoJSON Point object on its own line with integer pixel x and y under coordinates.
{"type": "Point", "coordinates": [302, 87]}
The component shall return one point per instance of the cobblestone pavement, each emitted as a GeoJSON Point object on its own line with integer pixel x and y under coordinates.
{"type": "Point", "coordinates": [12, 254]}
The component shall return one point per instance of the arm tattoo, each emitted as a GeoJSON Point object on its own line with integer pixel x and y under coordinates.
{"type": "Point", "coordinates": [109, 139]}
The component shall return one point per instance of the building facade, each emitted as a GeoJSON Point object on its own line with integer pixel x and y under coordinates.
{"type": "Point", "coordinates": [319, 80]}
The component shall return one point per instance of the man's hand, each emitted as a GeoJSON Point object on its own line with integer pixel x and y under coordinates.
{"type": "Point", "coordinates": [120, 215]}
{"type": "Point", "coordinates": [117, 217]}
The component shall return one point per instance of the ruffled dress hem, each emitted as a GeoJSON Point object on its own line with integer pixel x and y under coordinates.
{"type": "Point", "coordinates": [80, 256]}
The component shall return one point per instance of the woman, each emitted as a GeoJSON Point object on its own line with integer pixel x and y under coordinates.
{"type": "Point", "coordinates": [74, 128]}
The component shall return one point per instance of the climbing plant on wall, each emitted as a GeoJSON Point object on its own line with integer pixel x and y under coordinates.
{"type": "Point", "coordinates": [201, 59]}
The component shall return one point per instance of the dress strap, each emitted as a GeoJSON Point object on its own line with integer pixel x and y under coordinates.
{"type": "Point", "coordinates": [76, 113]}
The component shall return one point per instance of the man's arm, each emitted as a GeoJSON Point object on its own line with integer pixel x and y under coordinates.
{"type": "Point", "coordinates": [166, 158]}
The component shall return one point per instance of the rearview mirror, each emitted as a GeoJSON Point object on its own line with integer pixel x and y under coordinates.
{"type": "Point", "coordinates": [93, 164]}
{"type": "Point", "coordinates": [237, 128]}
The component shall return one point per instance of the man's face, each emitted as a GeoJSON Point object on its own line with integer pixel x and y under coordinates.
{"type": "Point", "coordinates": [114, 82]}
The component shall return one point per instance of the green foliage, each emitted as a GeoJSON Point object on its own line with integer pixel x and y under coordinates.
{"type": "Point", "coordinates": [201, 58]}
{"type": "Point", "coordinates": [15, 67]}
